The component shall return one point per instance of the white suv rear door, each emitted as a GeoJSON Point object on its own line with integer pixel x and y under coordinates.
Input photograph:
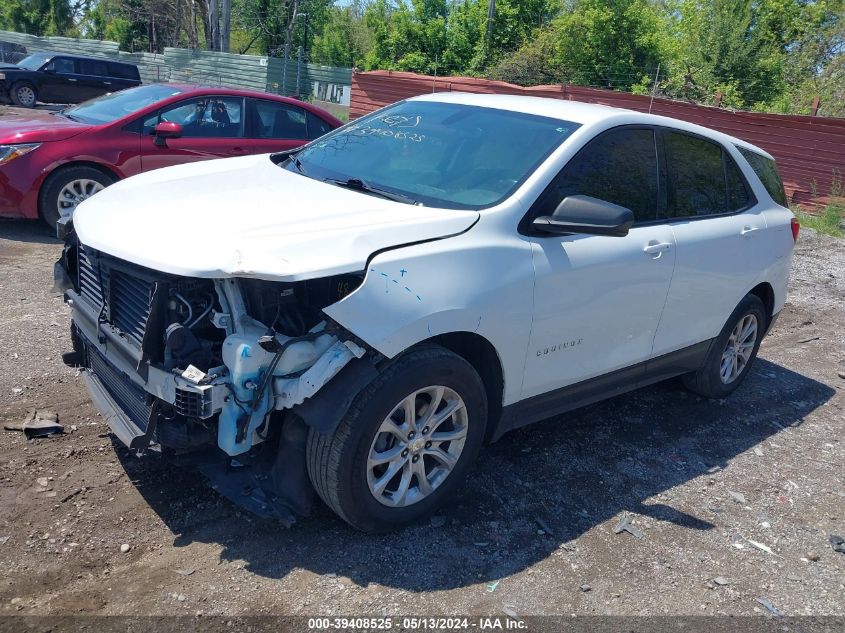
{"type": "Point", "coordinates": [720, 232]}
{"type": "Point", "coordinates": [597, 299]}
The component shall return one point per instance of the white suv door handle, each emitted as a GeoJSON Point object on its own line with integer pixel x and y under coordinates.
{"type": "Point", "coordinates": [652, 249]}
{"type": "Point", "coordinates": [748, 230]}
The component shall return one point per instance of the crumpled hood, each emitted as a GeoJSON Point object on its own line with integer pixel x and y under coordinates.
{"type": "Point", "coordinates": [248, 217]}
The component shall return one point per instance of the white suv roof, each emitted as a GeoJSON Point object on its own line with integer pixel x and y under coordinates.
{"type": "Point", "coordinates": [579, 112]}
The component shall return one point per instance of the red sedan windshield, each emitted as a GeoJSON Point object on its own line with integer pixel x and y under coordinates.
{"type": "Point", "coordinates": [116, 105]}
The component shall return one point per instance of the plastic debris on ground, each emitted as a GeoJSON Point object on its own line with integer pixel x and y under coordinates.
{"type": "Point", "coordinates": [625, 525]}
{"type": "Point", "coordinates": [511, 614]}
{"type": "Point", "coordinates": [761, 546]}
{"type": "Point", "coordinates": [738, 496]}
{"type": "Point", "coordinates": [37, 424]}
{"type": "Point", "coordinates": [769, 607]}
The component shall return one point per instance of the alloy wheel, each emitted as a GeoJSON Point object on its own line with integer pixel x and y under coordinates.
{"type": "Point", "coordinates": [26, 96]}
{"type": "Point", "coordinates": [75, 192]}
{"type": "Point", "coordinates": [417, 446]}
{"type": "Point", "coordinates": [739, 348]}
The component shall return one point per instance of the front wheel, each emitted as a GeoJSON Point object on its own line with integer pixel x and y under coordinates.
{"type": "Point", "coordinates": [24, 94]}
{"type": "Point", "coordinates": [733, 351]}
{"type": "Point", "coordinates": [405, 444]}
{"type": "Point", "coordinates": [65, 188]}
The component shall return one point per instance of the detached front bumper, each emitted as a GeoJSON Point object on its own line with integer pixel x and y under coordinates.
{"type": "Point", "coordinates": [127, 431]}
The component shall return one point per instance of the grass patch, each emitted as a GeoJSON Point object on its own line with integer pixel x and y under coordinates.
{"type": "Point", "coordinates": [829, 221]}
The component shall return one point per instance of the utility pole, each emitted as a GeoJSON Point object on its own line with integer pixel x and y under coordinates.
{"type": "Point", "coordinates": [654, 88]}
{"type": "Point", "coordinates": [305, 41]}
{"type": "Point", "coordinates": [298, 70]}
{"type": "Point", "coordinates": [288, 35]}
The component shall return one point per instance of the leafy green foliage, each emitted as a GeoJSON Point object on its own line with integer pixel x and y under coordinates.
{"type": "Point", "coordinates": [38, 17]}
{"type": "Point", "coordinates": [607, 43]}
{"type": "Point", "coordinates": [774, 55]}
{"type": "Point", "coordinates": [344, 40]}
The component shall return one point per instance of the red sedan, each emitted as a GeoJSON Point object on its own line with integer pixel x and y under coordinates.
{"type": "Point", "coordinates": [51, 161]}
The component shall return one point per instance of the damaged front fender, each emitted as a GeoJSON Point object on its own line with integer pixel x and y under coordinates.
{"type": "Point", "coordinates": [470, 283]}
{"type": "Point", "coordinates": [268, 371]}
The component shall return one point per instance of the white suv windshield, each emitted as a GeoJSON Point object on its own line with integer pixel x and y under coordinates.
{"type": "Point", "coordinates": [438, 154]}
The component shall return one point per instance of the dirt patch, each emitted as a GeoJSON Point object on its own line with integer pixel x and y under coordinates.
{"type": "Point", "coordinates": [746, 491]}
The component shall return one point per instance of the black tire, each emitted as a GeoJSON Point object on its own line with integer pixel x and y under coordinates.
{"type": "Point", "coordinates": [24, 94]}
{"type": "Point", "coordinates": [48, 200]}
{"type": "Point", "coordinates": [337, 465]}
{"type": "Point", "coordinates": [707, 381]}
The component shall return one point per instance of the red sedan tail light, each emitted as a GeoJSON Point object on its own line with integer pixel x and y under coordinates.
{"type": "Point", "coordinates": [795, 228]}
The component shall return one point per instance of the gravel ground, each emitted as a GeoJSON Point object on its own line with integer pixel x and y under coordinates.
{"type": "Point", "coordinates": [732, 501]}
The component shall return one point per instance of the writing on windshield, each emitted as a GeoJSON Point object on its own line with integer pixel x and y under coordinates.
{"type": "Point", "coordinates": [439, 154]}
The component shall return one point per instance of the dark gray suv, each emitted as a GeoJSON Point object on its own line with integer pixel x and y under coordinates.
{"type": "Point", "coordinates": [62, 78]}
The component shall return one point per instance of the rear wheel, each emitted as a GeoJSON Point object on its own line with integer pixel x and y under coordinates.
{"type": "Point", "coordinates": [24, 94]}
{"type": "Point", "coordinates": [733, 352]}
{"type": "Point", "coordinates": [65, 188]}
{"type": "Point", "coordinates": [405, 444]}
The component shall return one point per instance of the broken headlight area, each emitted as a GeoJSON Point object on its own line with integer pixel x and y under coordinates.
{"type": "Point", "coordinates": [207, 370]}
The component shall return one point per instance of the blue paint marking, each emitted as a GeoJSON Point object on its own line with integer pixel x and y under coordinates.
{"type": "Point", "coordinates": [396, 281]}
{"type": "Point", "coordinates": [245, 351]}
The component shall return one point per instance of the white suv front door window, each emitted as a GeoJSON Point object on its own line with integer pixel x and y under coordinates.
{"type": "Point", "coordinates": [721, 248]}
{"type": "Point", "coordinates": [597, 299]}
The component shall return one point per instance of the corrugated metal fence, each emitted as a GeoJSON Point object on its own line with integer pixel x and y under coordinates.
{"type": "Point", "coordinates": [810, 151]}
{"type": "Point", "coordinates": [203, 67]}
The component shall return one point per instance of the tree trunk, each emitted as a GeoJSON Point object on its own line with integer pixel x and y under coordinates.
{"type": "Point", "coordinates": [227, 26]}
{"type": "Point", "coordinates": [213, 34]}
{"type": "Point", "coordinates": [193, 35]}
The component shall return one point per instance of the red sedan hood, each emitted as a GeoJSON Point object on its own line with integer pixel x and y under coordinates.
{"type": "Point", "coordinates": [36, 126]}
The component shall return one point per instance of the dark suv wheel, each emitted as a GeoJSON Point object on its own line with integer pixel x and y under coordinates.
{"type": "Point", "coordinates": [405, 444]}
{"type": "Point", "coordinates": [24, 94]}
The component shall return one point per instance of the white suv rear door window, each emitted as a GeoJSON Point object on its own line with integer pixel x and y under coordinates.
{"type": "Point", "coordinates": [720, 235]}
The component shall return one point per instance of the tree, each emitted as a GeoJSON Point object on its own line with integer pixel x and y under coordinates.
{"type": "Point", "coordinates": [271, 23]}
{"type": "Point", "coordinates": [815, 60]}
{"type": "Point", "coordinates": [344, 39]}
{"type": "Point", "coordinates": [449, 37]}
{"type": "Point", "coordinates": [607, 43]}
{"type": "Point", "coordinates": [144, 25]}
{"type": "Point", "coordinates": [38, 17]}
{"type": "Point", "coordinates": [725, 46]}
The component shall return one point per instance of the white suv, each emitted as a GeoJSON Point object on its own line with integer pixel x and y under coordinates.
{"type": "Point", "coordinates": [366, 312]}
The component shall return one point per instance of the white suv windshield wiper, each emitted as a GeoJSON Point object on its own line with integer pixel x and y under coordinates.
{"type": "Point", "coordinates": [359, 185]}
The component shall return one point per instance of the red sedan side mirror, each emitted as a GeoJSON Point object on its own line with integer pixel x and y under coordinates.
{"type": "Point", "coordinates": [166, 130]}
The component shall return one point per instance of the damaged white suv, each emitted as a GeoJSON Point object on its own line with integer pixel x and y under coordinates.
{"type": "Point", "coordinates": [358, 317]}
